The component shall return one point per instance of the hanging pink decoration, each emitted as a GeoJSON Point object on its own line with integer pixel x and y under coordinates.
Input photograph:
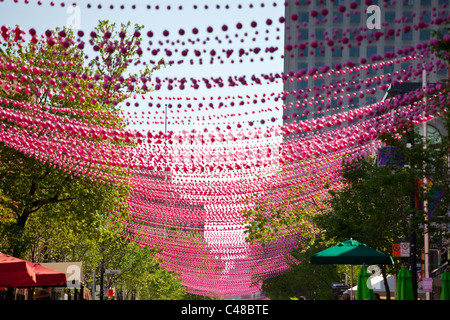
{"type": "Point", "coordinates": [200, 150]}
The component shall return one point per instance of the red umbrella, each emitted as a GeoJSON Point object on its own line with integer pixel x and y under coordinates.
{"type": "Point", "coordinates": [15, 272]}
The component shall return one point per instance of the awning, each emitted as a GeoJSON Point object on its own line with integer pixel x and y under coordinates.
{"type": "Point", "coordinates": [15, 272]}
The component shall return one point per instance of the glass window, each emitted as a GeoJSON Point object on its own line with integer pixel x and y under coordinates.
{"type": "Point", "coordinates": [371, 50]}
{"type": "Point", "coordinates": [303, 17]}
{"type": "Point", "coordinates": [426, 17]}
{"type": "Point", "coordinates": [405, 66]}
{"type": "Point", "coordinates": [304, 34]}
{"type": "Point", "coordinates": [319, 83]}
{"type": "Point", "coordinates": [407, 35]}
{"type": "Point", "coordinates": [338, 17]}
{"type": "Point", "coordinates": [337, 52]}
{"type": "Point", "coordinates": [320, 51]}
{"type": "Point", "coordinates": [338, 2]}
{"type": "Point", "coordinates": [320, 35]}
{"type": "Point", "coordinates": [388, 69]}
{"type": "Point", "coordinates": [302, 85]}
{"type": "Point", "coordinates": [355, 17]}
{"type": "Point", "coordinates": [425, 2]}
{"type": "Point", "coordinates": [408, 15]}
{"type": "Point", "coordinates": [354, 52]}
{"type": "Point", "coordinates": [389, 16]}
{"type": "Point", "coordinates": [425, 34]}
{"type": "Point", "coordinates": [389, 49]}
{"type": "Point", "coordinates": [301, 66]}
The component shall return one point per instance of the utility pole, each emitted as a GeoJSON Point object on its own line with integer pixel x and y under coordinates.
{"type": "Point", "coordinates": [426, 273]}
{"type": "Point", "coordinates": [102, 273]}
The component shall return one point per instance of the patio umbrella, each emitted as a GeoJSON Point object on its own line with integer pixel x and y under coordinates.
{"type": "Point", "coordinates": [404, 285]}
{"type": "Point", "coordinates": [351, 252]}
{"type": "Point", "coordinates": [363, 292]}
{"type": "Point", "coordinates": [445, 279]}
{"type": "Point", "coordinates": [15, 272]}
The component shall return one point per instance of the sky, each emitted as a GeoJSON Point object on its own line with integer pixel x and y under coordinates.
{"type": "Point", "coordinates": [45, 16]}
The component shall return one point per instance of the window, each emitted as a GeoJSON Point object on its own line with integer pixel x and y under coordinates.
{"type": "Point", "coordinates": [337, 52]}
{"type": "Point", "coordinates": [320, 34]}
{"type": "Point", "coordinates": [425, 34]}
{"type": "Point", "coordinates": [338, 17]}
{"type": "Point", "coordinates": [355, 17]}
{"type": "Point", "coordinates": [354, 52]}
{"type": "Point", "coordinates": [304, 34]}
{"type": "Point", "coordinates": [371, 50]}
{"type": "Point", "coordinates": [302, 85]}
{"type": "Point", "coordinates": [407, 35]}
{"type": "Point", "coordinates": [404, 66]}
{"type": "Point", "coordinates": [303, 66]}
{"type": "Point", "coordinates": [303, 17]}
{"type": "Point", "coordinates": [389, 17]}
{"type": "Point", "coordinates": [320, 51]}
{"type": "Point", "coordinates": [425, 2]}
{"type": "Point", "coordinates": [388, 69]}
{"type": "Point", "coordinates": [319, 83]}
{"type": "Point", "coordinates": [426, 17]}
{"type": "Point", "coordinates": [408, 15]}
{"type": "Point", "coordinates": [389, 49]}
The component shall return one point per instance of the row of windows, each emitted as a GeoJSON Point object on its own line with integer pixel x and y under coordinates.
{"type": "Point", "coordinates": [336, 3]}
{"type": "Point", "coordinates": [355, 16]}
{"type": "Point", "coordinates": [319, 34]}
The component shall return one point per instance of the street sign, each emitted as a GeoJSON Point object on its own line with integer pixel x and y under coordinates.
{"type": "Point", "coordinates": [110, 271]}
{"type": "Point", "coordinates": [427, 284]}
{"type": "Point", "coordinates": [396, 249]}
{"type": "Point", "coordinates": [404, 249]}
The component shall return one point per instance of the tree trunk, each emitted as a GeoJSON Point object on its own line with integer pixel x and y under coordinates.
{"type": "Point", "coordinates": [386, 284]}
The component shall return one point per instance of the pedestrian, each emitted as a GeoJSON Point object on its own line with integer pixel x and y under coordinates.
{"type": "Point", "coordinates": [345, 296]}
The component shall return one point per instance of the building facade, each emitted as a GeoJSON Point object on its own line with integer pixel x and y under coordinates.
{"type": "Point", "coordinates": [320, 33]}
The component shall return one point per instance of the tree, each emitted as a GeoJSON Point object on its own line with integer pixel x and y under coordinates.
{"type": "Point", "coordinates": [284, 211]}
{"type": "Point", "coordinates": [51, 73]}
{"type": "Point", "coordinates": [312, 281]}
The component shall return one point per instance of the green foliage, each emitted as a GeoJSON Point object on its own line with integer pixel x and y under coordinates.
{"type": "Point", "coordinates": [283, 212]}
{"type": "Point", "coordinates": [305, 279]}
{"type": "Point", "coordinates": [374, 197]}
{"type": "Point", "coordinates": [29, 183]}
{"type": "Point", "coordinates": [48, 213]}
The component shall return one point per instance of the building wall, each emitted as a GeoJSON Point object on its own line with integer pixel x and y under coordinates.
{"type": "Point", "coordinates": [305, 29]}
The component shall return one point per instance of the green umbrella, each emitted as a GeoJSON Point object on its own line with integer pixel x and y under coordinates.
{"type": "Point", "coordinates": [404, 285]}
{"type": "Point", "coordinates": [351, 252]}
{"type": "Point", "coordinates": [445, 279]}
{"type": "Point", "coordinates": [363, 292]}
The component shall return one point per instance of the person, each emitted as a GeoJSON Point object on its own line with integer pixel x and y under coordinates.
{"type": "Point", "coordinates": [345, 296]}
{"type": "Point", "coordinates": [377, 296]}
{"type": "Point", "coordinates": [301, 298]}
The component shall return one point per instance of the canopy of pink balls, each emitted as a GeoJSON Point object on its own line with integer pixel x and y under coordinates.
{"type": "Point", "coordinates": [190, 187]}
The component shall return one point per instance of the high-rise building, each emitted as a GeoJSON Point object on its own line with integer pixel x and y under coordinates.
{"type": "Point", "coordinates": [312, 25]}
